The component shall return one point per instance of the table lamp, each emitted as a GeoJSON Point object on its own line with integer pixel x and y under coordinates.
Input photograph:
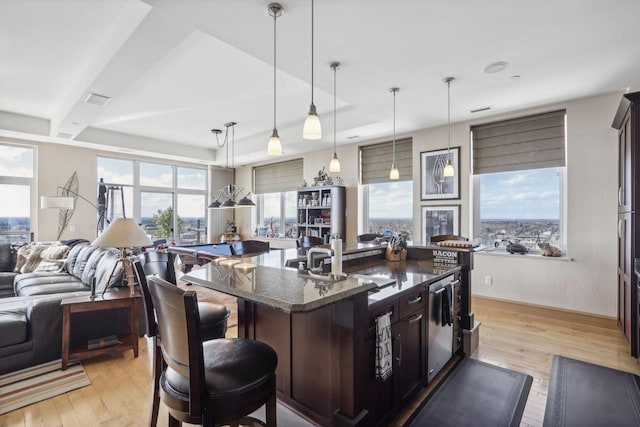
{"type": "Point", "coordinates": [123, 234]}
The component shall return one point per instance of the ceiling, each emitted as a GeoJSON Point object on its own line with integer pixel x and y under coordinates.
{"type": "Point", "coordinates": [176, 69]}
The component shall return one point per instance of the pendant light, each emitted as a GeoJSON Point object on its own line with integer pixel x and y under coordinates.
{"type": "Point", "coordinates": [312, 128]}
{"type": "Point", "coordinates": [334, 166]}
{"type": "Point", "coordinates": [275, 147]}
{"type": "Point", "coordinates": [394, 174]}
{"type": "Point", "coordinates": [448, 169]}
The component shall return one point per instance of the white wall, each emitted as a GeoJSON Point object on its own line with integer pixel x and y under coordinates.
{"type": "Point", "coordinates": [588, 282]}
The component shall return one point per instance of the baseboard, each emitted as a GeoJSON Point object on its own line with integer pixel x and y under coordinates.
{"type": "Point", "coordinates": [579, 317]}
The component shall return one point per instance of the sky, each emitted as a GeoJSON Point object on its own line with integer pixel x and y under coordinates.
{"type": "Point", "coordinates": [16, 162]}
{"type": "Point", "coordinates": [532, 194]}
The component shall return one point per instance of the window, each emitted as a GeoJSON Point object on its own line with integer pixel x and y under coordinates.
{"type": "Point", "coordinates": [153, 192]}
{"type": "Point", "coordinates": [17, 166]}
{"type": "Point", "coordinates": [519, 168]}
{"type": "Point", "coordinates": [387, 205]}
{"type": "Point", "coordinates": [276, 187]}
{"type": "Point", "coordinates": [276, 209]}
{"type": "Point", "coordinates": [389, 208]}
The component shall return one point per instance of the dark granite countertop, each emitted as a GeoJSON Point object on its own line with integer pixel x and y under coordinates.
{"type": "Point", "coordinates": [263, 279]}
{"type": "Point", "coordinates": [281, 288]}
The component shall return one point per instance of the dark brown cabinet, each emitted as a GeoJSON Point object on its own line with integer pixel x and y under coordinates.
{"type": "Point", "coordinates": [409, 331]}
{"type": "Point", "coordinates": [627, 122]}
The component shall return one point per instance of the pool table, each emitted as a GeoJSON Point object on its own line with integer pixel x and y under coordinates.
{"type": "Point", "coordinates": [191, 255]}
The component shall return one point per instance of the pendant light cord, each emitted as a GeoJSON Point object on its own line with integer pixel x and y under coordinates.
{"type": "Point", "coordinates": [312, 52]}
{"type": "Point", "coordinates": [275, 16]}
{"type": "Point", "coordinates": [335, 68]}
{"type": "Point", "coordinates": [449, 116]}
{"type": "Point", "coordinates": [394, 127]}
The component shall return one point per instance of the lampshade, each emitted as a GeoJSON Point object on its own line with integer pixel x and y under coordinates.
{"type": "Point", "coordinates": [448, 169]}
{"type": "Point", "coordinates": [312, 128]}
{"type": "Point", "coordinates": [123, 233]}
{"type": "Point", "coordinates": [215, 204]}
{"type": "Point", "coordinates": [56, 202]}
{"type": "Point", "coordinates": [394, 173]}
{"type": "Point", "coordinates": [245, 202]}
{"type": "Point", "coordinates": [274, 148]}
{"type": "Point", "coordinates": [334, 166]}
{"type": "Point", "coordinates": [229, 203]}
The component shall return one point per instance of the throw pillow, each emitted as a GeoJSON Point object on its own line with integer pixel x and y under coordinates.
{"type": "Point", "coordinates": [55, 252]}
{"type": "Point", "coordinates": [21, 257]}
{"type": "Point", "coordinates": [50, 266]}
{"type": "Point", "coordinates": [33, 259]}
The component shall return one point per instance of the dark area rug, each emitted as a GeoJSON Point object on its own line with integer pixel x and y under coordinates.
{"type": "Point", "coordinates": [475, 394]}
{"type": "Point", "coordinates": [583, 394]}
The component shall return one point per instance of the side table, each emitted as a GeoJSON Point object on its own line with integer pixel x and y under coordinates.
{"type": "Point", "coordinates": [110, 300]}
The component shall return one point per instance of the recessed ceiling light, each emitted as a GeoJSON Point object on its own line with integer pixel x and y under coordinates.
{"type": "Point", "coordinates": [495, 67]}
{"type": "Point", "coordinates": [515, 77]}
{"type": "Point", "coordinates": [96, 99]}
{"type": "Point", "coordinates": [64, 135]}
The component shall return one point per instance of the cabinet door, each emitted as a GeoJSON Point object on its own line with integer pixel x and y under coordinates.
{"type": "Point", "coordinates": [378, 394]}
{"type": "Point", "coordinates": [625, 192]}
{"type": "Point", "coordinates": [626, 312]}
{"type": "Point", "coordinates": [410, 355]}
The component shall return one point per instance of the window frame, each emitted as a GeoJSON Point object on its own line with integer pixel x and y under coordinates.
{"type": "Point", "coordinates": [31, 182]}
{"type": "Point", "coordinates": [283, 212]}
{"type": "Point", "coordinates": [562, 199]}
{"type": "Point", "coordinates": [174, 190]}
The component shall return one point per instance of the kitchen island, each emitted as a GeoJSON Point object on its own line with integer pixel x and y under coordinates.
{"type": "Point", "coordinates": [323, 329]}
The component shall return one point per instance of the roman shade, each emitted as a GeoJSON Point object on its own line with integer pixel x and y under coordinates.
{"type": "Point", "coordinates": [530, 142]}
{"type": "Point", "coordinates": [376, 159]}
{"type": "Point", "coordinates": [278, 177]}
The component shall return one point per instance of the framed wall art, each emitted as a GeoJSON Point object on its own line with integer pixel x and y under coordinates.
{"type": "Point", "coordinates": [437, 220]}
{"type": "Point", "coordinates": [433, 184]}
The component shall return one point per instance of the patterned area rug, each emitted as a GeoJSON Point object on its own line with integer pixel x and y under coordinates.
{"type": "Point", "coordinates": [31, 385]}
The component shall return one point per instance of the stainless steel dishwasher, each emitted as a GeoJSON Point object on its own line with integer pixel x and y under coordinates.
{"type": "Point", "coordinates": [440, 332]}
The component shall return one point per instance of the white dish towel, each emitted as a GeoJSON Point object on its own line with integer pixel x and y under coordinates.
{"type": "Point", "coordinates": [384, 348]}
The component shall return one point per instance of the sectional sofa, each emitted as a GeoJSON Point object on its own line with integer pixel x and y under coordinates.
{"type": "Point", "coordinates": [30, 311]}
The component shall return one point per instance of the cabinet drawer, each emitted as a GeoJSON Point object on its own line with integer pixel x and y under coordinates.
{"type": "Point", "coordinates": [412, 301]}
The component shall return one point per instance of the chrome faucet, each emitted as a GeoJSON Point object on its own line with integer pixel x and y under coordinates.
{"type": "Point", "coordinates": [316, 250]}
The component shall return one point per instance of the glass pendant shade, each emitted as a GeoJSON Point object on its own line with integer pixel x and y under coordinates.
{"type": "Point", "coordinates": [274, 148]}
{"type": "Point", "coordinates": [448, 169]}
{"type": "Point", "coordinates": [312, 128]}
{"type": "Point", "coordinates": [334, 166]}
{"type": "Point", "coordinates": [394, 173]}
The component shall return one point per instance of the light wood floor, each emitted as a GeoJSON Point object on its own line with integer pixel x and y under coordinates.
{"type": "Point", "coordinates": [119, 393]}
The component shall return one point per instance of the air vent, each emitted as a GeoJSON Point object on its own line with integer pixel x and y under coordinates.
{"type": "Point", "coordinates": [353, 137]}
{"type": "Point", "coordinates": [477, 110]}
{"type": "Point", "coordinates": [64, 135]}
{"type": "Point", "coordinates": [96, 99]}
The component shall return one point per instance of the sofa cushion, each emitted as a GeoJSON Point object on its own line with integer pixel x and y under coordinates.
{"type": "Point", "coordinates": [6, 284]}
{"type": "Point", "coordinates": [72, 256]}
{"type": "Point", "coordinates": [6, 257]}
{"type": "Point", "coordinates": [105, 267]}
{"type": "Point", "coordinates": [13, 327]}
{"type": "Point", "coordinates": [47, 283]}
{"type": "Point", "coordinates": [92, 264]}
{"type": "Point", "coordinates": [81, 260]}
